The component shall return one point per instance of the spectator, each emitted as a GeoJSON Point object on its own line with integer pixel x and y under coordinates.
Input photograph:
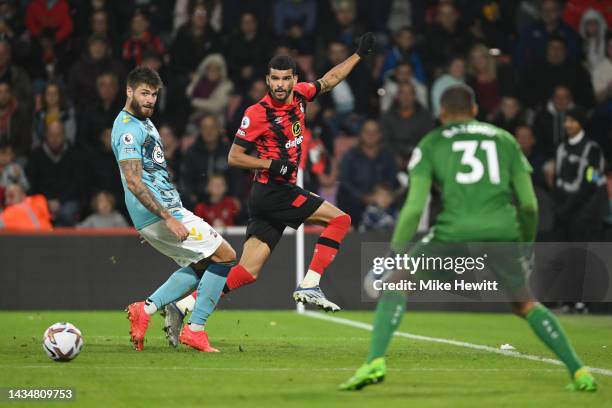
{"type": "Point", "coordinates": [82, 86]}
{"type": "Point", "coordinates": [53, 15]}
{"type": "Point", "coordinates": [540, 79]}
{"type": "Point", "coordinates": [403, 74]}
{"type": "Point", "coordinates": [602, 125]}
{"type": "Point", "coordinates": [445, 37]}
{"type": "Point", "coordinates": [210, 88]}
{"type": "Point", "coordinates": [98, 115]}
{"type": "Point", "coordinates": [24, 213]}
{"type": "Point", "coordinates": [488, 80]}
{"type": "Point", "coordinates": [294, 20]}
{"type": "Point", "coordinates": [104, 172]}
{"type": "Point", "coordinates": [454, 75]}
{"type": "Point", "coordinates": [247, 53]}
{"type": "Point", "coordinates": [404, 50]}
{"type": "Point", "coordinates": [548, 122]}
{"type": "Point", "coordinates": [362, 168]}
{"type": "Point", "coordinates": [194, 40]}
{"type": "Point", "coordinates": [574, 9]}
{"type": "Point", "coordinates": [17, 78]}
{"type": "Point", "coordinates": [12, 24]}
{"type": "Point", "coordinates": [54, 107]}
{"type": "Point", "coordinates": [257, 91]}
{"type": "Point", "coordinates": [172, 151]}
{"type": "Point", "coordinates": [581, 194]}
{"type": "Point", "coordinates": [381, 214]}
{"type": "Point", "coordinates": [602, 75]}
{"type": "Point", "coordinates": [219, 209]}
{"type": "Point", "coordinates": [406, 123]}
{"type": "Point", "coordinates": [11, 172]}
{"type": "Point", "coordinates": [511, 114]}
{"type": "Point", "coordinates": [48, 59]}
{"type": "Point", "coordinates": [56, 171]}
{"type": "Point", "coordinates": [207, 156]}
{"type": "Point", "coordinates": [15, 123]}
{"type": "Point", "coordinates": [533, 41]}
{"type": "Point", "coordinates": [347, 103]}
{"type": "Point", "coordinates": [100, 26]}
{"type": "Point", "coordinates": [344, 28]}
{"type": "Point", "coordinates": [139, 41]}
{"type": "Point", "coordinates": [317, 125]}
{"type": "Point", "coordinates": [541, 175]}
{"type": "Point", "coordinates": [593, 32]}
{"type": "Point", "coordinates": [105, 215]}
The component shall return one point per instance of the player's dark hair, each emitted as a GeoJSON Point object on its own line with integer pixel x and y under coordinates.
{"type": "Point", "coordinates": [458, 99]}
{"type": "Point", "coordinates": [143, 75]}
{"type": "Point", "coordinates": [282, 63]}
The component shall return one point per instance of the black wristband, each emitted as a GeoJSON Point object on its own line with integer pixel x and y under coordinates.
{"type": "Point", "coordinates": [281, 168]}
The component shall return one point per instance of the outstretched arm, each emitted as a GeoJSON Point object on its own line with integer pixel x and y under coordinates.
{"type": "Point", "coordinates": [338, 73]}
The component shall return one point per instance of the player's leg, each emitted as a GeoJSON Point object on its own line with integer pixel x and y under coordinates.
{"type": "Point", "coordinates": [213, 274]}
{"type": "Point", "coordinates": [263, 237]}
{"type": "Point", "coordinates": [337, 223]}
{"type": "Point", "coordinates": [547, 327]}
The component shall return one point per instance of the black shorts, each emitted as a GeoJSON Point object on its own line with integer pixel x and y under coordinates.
{"type": "Point", "coordinates": [272, 207]}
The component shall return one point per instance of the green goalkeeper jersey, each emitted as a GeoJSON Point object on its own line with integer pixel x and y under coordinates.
{"type": "Point", "coordinates": [473, 163]}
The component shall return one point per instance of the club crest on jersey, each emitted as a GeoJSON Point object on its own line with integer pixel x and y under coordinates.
{"type": "Point", "coordinates": [127, 138]}
{"type": "Point", "coordinates": [296, 129]}
{"type": "Point", "coordinates": [245, 122]}
{"type": "Point", "coordinates": [158, 155]}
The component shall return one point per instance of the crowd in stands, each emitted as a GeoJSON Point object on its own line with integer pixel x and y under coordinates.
{"type": "Point", "coordinates": [541, 69]}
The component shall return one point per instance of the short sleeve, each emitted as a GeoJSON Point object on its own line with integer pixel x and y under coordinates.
{"type": "Point", "coordinates": [128, 143]}
{"type": "Point", "coordinates": [310, 90]}
{"type": "Point", "coordinates": [420, 164]}
{"type": "Point", "coordinates": [252, 126]}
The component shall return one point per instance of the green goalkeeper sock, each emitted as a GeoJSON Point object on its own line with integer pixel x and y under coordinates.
{"type": "Point", "coordinates": [549, 330]}
{"type": "Point", "coordinates": [389, 313]}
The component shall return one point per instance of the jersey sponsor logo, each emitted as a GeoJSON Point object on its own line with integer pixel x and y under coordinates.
{"type": "Point", "coordinates": [158, 155]}
{"type": "Point", "coordinates": [241, 132]}
{"type": "Point", "coordinates": [296, 129]}
{"type": "Point", "coordinates": [295, 142]}
{"type": "Point", "coordinates": [245, 122]}
{"type": "Point", "coordinates": [127, 138]}
{"type": "Point", "coordinates": [415, 158]}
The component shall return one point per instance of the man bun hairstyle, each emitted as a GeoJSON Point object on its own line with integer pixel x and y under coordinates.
{"type": "Point", "coordinates": [282, 63]}
{"type": "Point", "coordinates": [458, 99]}
{"type": "Point", "coordinates": [144, 75]}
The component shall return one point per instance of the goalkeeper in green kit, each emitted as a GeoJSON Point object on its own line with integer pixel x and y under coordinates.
{"type": "Point", "coordinates": [481, 172]}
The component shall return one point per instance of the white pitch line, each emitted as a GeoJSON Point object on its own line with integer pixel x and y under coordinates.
{"type": "Point", "coordinates": [369, 327]}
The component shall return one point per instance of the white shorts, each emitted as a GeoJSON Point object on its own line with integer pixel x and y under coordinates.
{"type": "Point", "coordinates": [202, 242]}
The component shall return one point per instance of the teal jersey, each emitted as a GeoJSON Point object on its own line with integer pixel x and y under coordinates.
{"type": "Point", "coordinates": [136, 139]}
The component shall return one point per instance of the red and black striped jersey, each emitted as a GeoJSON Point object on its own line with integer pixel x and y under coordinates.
{"type": "Point", "coordinates": [275, 129]}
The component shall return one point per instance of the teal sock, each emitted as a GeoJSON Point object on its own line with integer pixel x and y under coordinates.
{"type": "Point", "coordinates": [389, 313]}
{"type": "Point", "coordinates": [179, 283]}
{"type": "Point", "coordinates": [549, 330]}
{"type": "Point", "coordinates": [209, 291]}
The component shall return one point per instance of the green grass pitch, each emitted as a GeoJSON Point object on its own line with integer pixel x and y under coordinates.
{"type": "Point", "coordinates": [282, 359]}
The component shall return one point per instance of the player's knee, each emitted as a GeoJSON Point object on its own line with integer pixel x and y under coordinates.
{"type": "Point", "coordinates": [522, 309]}
{"type": "Point", "coordinates": [342, 221]}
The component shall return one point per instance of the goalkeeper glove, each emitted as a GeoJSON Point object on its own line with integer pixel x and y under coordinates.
{"type": "Point", "coordinates": [366, 44]}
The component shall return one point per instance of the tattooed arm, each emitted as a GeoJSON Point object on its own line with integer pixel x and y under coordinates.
{"type": "Point", "coordinates": [338, 73]}
{"type": "Point", "coordinates": [132, 171]}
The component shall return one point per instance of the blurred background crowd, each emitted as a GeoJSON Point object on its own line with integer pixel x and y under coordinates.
{"type": "Point", "coordinates": [541, 69]}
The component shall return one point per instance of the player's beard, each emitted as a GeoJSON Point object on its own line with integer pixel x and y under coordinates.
{"type": "Point", "coordinates": [137, 109]}
{"type": "Point", "coordinates": [286, 94]}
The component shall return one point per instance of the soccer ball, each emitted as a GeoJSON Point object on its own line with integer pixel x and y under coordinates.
{"type": "Point", "coordinates": [62, 342]}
